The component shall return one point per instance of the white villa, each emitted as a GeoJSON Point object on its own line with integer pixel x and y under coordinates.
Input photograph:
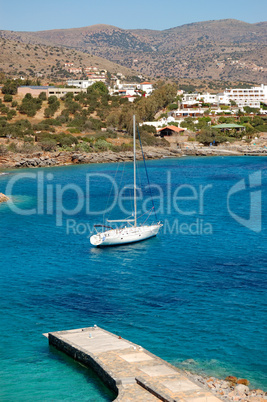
{"type": "Point", "coordinates": [146, 87]}
{"type": "Point", "coordinates": [80, 83]}
{"type": "Point", "coordinates": [132, 89]}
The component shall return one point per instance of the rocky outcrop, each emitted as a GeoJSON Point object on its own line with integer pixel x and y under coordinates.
{"type": "Point", "coordinates": [230, 389]}
{"type": "Point", "coordinates": [3, 198]}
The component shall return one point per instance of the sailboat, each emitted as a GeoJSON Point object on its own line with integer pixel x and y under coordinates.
{"type": "Point", "coordinates": [132, 232]}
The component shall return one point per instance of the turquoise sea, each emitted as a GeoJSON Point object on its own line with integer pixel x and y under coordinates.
{"type": "Point", "coordinates": [197, 291]}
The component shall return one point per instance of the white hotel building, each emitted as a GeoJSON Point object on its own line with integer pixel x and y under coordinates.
{"type": "Point", "coordinates": [246, 97]}
{"type": "Point", "coordinates": [241, 96]}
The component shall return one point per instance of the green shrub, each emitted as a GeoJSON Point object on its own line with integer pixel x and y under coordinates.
{"type": "Point", "coordinates": [262, 128]}
{"type": "Point", "coordinates": [28, 139]}
{"type": "Point", "coordinates": [48, 144]}
{"type": "Point", "coordinates": [10, 87]}
{"type": "Point", "coordinates": [173, 106]}
{"type": "Point", "coordinates": [4, 109]}
{"type": "Point", "coordinates": [209, 135]}
{"type": "Point", "coordinates": [8, 98]}
{"type": "Point", "coordinates": [48, 112]}
{"type": "Point", "coordinates": [122, 148]}
{"type": "Point", "coordinates": [74, 130]}
{"type": "Point", "coordinates": [111, 134]}
{"type": "Point", "coordinates": [23, 124]}
{"type": "Point", "coordinates": [43, 127]}
{"type": "Point", "coordinates": [102, 145]}
{"type": "Point", "coordinates": [72, 106]}
{"type": "Point", "coordinates": [249, 109]}
{"type": "Point", "coordinates": [11, 114]}
{"type": "Point", "coordinates": [30, 105]}
{"type": "Point", "coordinates": [52, 99]}
{"type": "Point", "coordinates": [189, 123]}
{"type": "Point", "coordinates": [149, 129]}
{"type": "Point", "coordinates": [83, 147]}
{"type": "Point", "coordinates": [66, 140]}
{"type": "Point", "coordinates": [151, 140]}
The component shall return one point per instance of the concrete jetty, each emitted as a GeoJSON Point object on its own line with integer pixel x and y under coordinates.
{"type": "Point", "coordinates": [132, 372]}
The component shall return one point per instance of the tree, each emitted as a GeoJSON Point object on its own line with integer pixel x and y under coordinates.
{"type": "Point", "coordinates": [210, 136]}
{"type": "Point", "coordinates": [30, 105]}
{"type": "Point", "coordinates": [66, 140]}
{"type": "Point", "coordinates": [113, 119]}
{"type": "Point", "coordinates": [48, 113]}
{"type": "Point", "coordinates": [8, 98]}
{"type": "Point", "coordinates": [99, 87]}
{"type": "Point", "coordinates": [42, 96]}
{"type": "Point", "coordinates": [10, 114]}
{"type": "Point", "coordinates": [250, 130]}
{"type": "Point", "coordinates": [73, 107]}
{"type": "Point", "coordinates": [11, 87]}
{"type": "Point", "coordinates": [52, 99]}
{"type": "Point", "coordinates": [28, 96]}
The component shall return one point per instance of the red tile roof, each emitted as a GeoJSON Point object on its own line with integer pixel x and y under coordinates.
{"type": "Point", "coordinates": [173, 128]}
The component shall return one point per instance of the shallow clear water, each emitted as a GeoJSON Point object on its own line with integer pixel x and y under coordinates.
{"type": "Point", "coordinates": [182, 296]}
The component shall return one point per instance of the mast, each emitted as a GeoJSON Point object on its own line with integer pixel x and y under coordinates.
{"type": "Point", "coordinates": [135, 217]}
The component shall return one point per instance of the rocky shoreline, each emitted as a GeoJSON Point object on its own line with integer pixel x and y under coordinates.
{"type": "Point", "coordinates": [230, 389]}
{"type": "Point", "coordinates": [46, 159]}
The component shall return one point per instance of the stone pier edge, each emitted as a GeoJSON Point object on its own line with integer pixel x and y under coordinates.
{"type": "Point", "coordinates": [105, 374]}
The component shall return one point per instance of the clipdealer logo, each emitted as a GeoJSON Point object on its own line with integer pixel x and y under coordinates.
{"type": "Point", "coordinates": [254, 222]}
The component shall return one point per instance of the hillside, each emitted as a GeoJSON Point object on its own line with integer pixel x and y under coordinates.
{"type": "Point", "coordinates": [47, 62]}
{"type": "Point", "coordinates": [222, 50]}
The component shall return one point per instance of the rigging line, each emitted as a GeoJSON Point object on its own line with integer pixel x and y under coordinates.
{"type": "Point", "coordinates": [148, 215]}
{"type": "Point", "coordinates": [149, 211]}
{"type": "Point", "coordinates": [147, 173]}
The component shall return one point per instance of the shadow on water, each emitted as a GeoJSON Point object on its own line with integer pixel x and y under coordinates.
{"type": "Point", "coordinates": [88, 374]}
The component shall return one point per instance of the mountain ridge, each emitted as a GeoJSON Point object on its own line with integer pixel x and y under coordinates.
{"type": "Point", "coordinates": [225, 49]}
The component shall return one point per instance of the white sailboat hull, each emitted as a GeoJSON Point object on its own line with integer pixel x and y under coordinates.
{"type": "Point", "coordinates": [125, 235]}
